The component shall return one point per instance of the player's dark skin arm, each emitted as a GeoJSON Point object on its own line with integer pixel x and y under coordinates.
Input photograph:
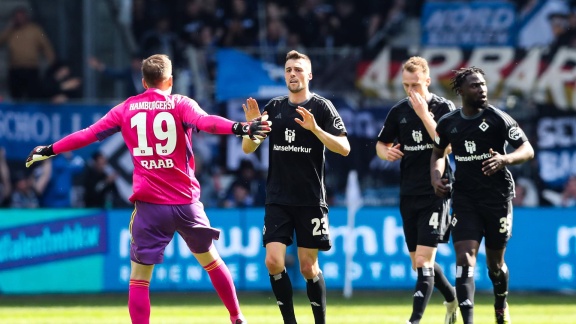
{"type": "Point", "coordinates": [498, 161]}
{"type": "Point", "coordinates": [437, 167]}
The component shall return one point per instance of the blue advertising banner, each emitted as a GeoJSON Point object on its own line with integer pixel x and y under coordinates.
{"type": "Point", "coordinates": [52, 241]}
{"type": "Point", "coordinates": [242, 76]}
{"type": "Point", "coordinates": [52, 250]}
{"type": "Point", "coordinates": [468, 24]}
{"type": "Point", "coordinates": [24, 126]}
{"type": "Point", "coordinates": [380, 259]}
{"type": "Point", "coordinates": [556, 146]}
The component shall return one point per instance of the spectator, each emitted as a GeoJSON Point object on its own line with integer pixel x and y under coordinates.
{"type": "Point", "coordinates": [564, 29]}
{"type": "Point", "coordinates": [209, 180]}
{"type": "Point", "coordinates": [5, 185]}
{"type": "Point", "coordinates": [195, 19]}
{"type": "Point", "coordinates": [27, 45]}
{"type": "Point", "coordinates": [526, 193]}
{"type": "Point", "coordinates": [247, 189]}
{"type": "Point", "coordinates": [63, 168]}
{"type": "Point", "coordinates": [569, 193]}
{"type": "Point", "coordinates": [60, 84]}
{"type": "Point", "coordinates": [241, 26]}
{"type": "Point", "coordinates": [162, 40]}
{"type": "Point", "coordinates": [27, 191]}
{"type": "Point", "coordinates": [140, 21]}
{"type": "Point", "coordinates": [566, 198]}
{"type": "Point", "coordinates": [275, 41]}
{"type": "Point", "coordinates": [131, 75]}
{"type": "Point", "coordinates": [347, 25]}
{"type": "Point", "coordinates": [386, 22]}
{"type": "Point", "coordinates": [99, 187]}
{"type": "Point", "coordinates": [214, 10]}
{"type": "Point", "coordinates": [306, 21]}
{"type": "Point", "coordinates": [239, 196]}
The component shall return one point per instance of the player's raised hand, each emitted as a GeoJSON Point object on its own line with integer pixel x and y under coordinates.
{"type": "Point", "coordinates": [256, 129]}
{"type": "Point", "coordinates": [251, 110]}
{"type": "Point", "coordinates": [394, 153]}
{"type": "Point", "coordinates": [39, 153]}
{"type": "Point", "coordinates": [307, 121]}
{"type": "Point", "coordinates": [494, 164]}
{"type": "Point", "coordinates": [418, 103]}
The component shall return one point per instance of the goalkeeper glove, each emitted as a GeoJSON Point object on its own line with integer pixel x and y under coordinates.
{"type": "Point", "coordinates": [39, 153]}
{"type": "Point", "coordinates": [256, 129]}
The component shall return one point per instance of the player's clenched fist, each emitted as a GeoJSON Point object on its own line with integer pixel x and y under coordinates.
{"type": "Point", "coordinates": [256, 129]}
{"type": "Point", "coordinates": [39, 153]}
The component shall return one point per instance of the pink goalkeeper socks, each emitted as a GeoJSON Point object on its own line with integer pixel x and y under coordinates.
{"type": "Point", "coordinates": [224, 285]}
{"type": "Point", "coordinates": [139, 301]}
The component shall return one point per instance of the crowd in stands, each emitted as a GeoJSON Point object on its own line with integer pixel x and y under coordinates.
{"type": "Point", "coordinates": [270, 27]}
{"type": "Point", "coordinates": [68, 181]}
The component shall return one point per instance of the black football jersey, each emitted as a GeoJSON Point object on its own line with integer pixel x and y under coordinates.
{"type": "Point", "coordinates": [472, 137]}
{"type": "Point", "coordinates": [404, 126]}
{"type": "Point", "coordinates": [296, 155]}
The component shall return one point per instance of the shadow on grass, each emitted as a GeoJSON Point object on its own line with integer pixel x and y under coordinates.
{"type": "Point", "coordinates": [335, 298]}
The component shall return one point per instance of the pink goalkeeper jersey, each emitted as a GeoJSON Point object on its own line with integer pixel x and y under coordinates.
{"type": "Point", "coordinates": [157, 129]}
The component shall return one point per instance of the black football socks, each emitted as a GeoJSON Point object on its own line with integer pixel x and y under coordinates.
{"type": "Point", "coordinates": [316, 289]}
{"type": "Point", "coordinates": [442, 284]}
{"type": "Point", "coordinates": [500, 283]}
{"type": "Point", "coordinates": [282, 288]}
{"type": "Point", "coordinates": [422, 293]}
{"type": "Point", "coordinates": [465, 289]}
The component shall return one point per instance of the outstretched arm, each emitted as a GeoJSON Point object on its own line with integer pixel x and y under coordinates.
{"type": "Point", "coordinates": [255, 130]}
{"type": "Point", "coordinates": [71, 142]}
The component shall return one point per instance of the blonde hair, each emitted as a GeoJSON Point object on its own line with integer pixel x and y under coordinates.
{"type": "Point", "coordinates": [295, 55]}
{"type": "Point", "coordinates": [416, 63]}
{"type": "Point", "coordinates": [156, 69]}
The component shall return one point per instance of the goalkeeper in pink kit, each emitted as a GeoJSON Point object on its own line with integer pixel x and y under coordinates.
{"type": "Point", "coordinates": [157, 128]}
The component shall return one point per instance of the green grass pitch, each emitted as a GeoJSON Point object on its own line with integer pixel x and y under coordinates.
{"type": "Point", "coordinates": [378, 307]}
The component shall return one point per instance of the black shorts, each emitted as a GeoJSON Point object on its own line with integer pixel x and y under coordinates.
{"type": "Point", "coordinates": [425, 219]}
{"type": "Point", "coordinates": [474, 219]}
{"type": "Point", "coordinates": [309, 222]}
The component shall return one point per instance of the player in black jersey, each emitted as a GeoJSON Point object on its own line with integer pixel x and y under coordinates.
{"type": "Point", "coordinates": [483, 189]}
{"type": "Point", "coordinates": [295, 189]}
{"type": "Point", "coordinates": [411, 124]}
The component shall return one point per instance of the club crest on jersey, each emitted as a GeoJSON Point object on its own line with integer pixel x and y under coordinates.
{"type": "Point", "coordinates": [470, 146]}
{"type": "Point", "coordinates": [289, 135]}
{"type": "Point", "coordinates": [417, 136]}
{"type": "Point", "coordinates": [515, 133]}
{"type": "Point", "coordinates": [338, 123]}
{"type": "Point", "coordinates": [483, 126]}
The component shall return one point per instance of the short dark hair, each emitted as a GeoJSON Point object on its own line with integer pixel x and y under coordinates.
{"type": "Point", "coordinates": [156, 69]}
{"type": "Point", "coordinates": [295, 55]}
{"type": "Point", "coordinates": [460, 75]}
